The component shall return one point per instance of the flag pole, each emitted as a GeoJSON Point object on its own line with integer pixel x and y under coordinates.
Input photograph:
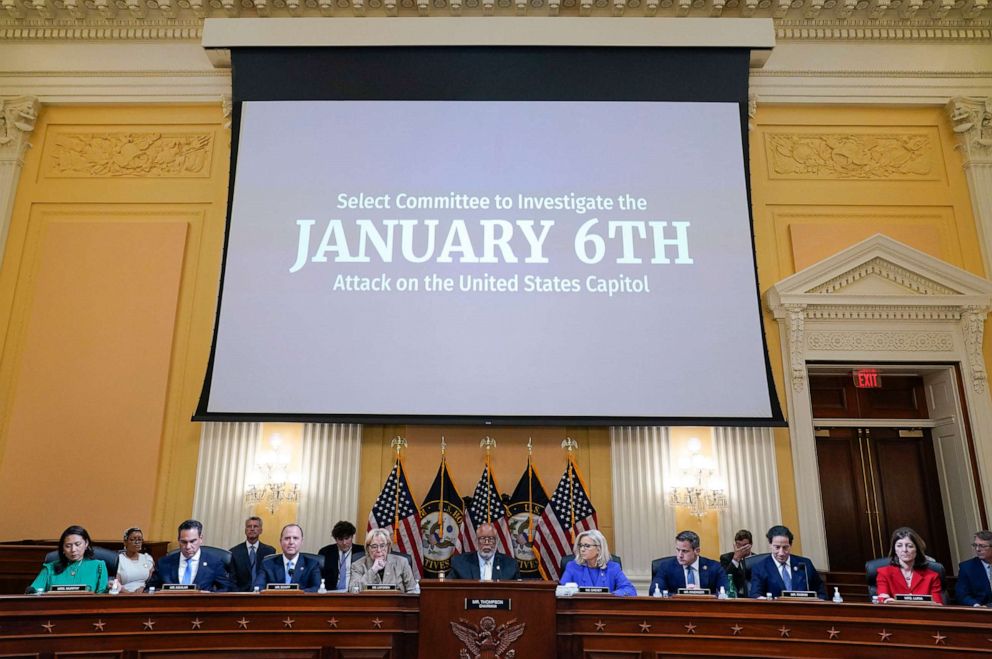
{"type": "Point", "coordinates": [398, 443]}
{"type": "Point", "coordinates": [530, 489]}
{"type": "Point", "coordinates": [440, 514]}
{"type": "Point", "coordinates": [489, 444]}
{"type": "Point", "coordinates": [570, 445]}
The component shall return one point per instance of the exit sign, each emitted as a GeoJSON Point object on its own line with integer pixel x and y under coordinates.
{"type": "Point", "coordinates": [867, 378]}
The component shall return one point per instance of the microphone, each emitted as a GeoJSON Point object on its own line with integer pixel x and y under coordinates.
{"type": "Point", "coordinates": [805, 574]}
{"type": "Point", "coordinates": [496, 576]}
{"type": "Point", "coordinates": [292, 571]}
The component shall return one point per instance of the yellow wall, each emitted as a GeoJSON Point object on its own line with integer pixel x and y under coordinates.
{"type": "Point", "coordinates": [109, 281]}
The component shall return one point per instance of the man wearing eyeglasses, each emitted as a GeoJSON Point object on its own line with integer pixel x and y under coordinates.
{"type": "Point", "coordinates": [975, 575]}
{"type": "Point", "coordinates": [487, 564]}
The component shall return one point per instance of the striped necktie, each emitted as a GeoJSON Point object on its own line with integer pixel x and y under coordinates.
{"type": "Point", "coordinates": [786, 577]}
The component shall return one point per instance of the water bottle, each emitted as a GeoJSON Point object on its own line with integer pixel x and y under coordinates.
{"type": "Point", "coordinates": [151, 591]}
{"type": "Point", "coordinates": [874, 599]}
{"type": "Point", "coordinates": [256, 589]}
{"type": "Point", "coordinates": [722, 595]}
{"type": "Point", "coordinates": [356, 587]}
{"type": "Point", "coordinates": [323, 588]}
{"type": "Point", "coordinates": [657, 592]}
{"type": "Point", "coordinates": [664, 593]}
{"type": "Point", "coordinates": [837, 597]}
{"type": "Point", "coordinates": [768, 596]}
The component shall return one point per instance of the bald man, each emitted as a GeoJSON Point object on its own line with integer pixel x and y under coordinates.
{"type": "Point", "coordinates": [487, 564]}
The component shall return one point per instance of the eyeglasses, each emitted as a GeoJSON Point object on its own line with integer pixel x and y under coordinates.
{"type": "Point", "coordinates": [378, 546]}
{"type": "Point", "coordinates": [583, 545]}
{"type": "Point", "coordinates": [486, 540]}
{"type": "Point", "coordinates": [978, 546]}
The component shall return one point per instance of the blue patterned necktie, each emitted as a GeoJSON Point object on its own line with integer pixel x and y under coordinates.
{"type": "Point", "coordinates": [690, 578]}
{"type": "Point", "coordinates": [786, 577]}
{"type": "Point", "coordinates": [188, 572]}
{"type": "Point", "coordinates": [342, 572]}
{"type": "Point", "coordinates": [251, 561]}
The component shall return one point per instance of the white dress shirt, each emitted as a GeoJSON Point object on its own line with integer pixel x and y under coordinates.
{"type": "Point", "coordinates": [195, 563]}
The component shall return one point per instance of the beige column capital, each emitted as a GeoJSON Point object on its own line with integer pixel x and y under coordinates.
{"type": "Point", "coordinates": [17, 119]}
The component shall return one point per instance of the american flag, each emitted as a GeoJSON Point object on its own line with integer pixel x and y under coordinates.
{"type": "Point", "coordinates": [487, 506]}
{"type": "Point", "coordinates": [555, 531]}
{"type": "Point", "coordinates": [394, 506]}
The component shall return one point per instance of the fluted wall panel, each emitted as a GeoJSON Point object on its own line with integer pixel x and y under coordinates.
{"type": "Point", "coordinates": [746, 459]}
{"type": "Point", "coordinates": [227, 450]}
{"type": "Point", "coordinates": [329, 481]}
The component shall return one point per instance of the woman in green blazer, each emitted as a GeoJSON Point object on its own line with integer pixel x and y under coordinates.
{"type": "Point", "coordinates": [75, 565]}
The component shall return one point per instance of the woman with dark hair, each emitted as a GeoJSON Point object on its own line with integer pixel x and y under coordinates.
{"type": "Point", "coordinates": [75, 565]}
{"type": "Point", "coordinates": [133, 567]}
{"type": "Point", "coordinates": [907, 572]}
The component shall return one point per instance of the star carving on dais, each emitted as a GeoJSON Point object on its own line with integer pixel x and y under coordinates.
{"type": "Point", "coordinates": [737, 629]}
{"type": "Point", "coordinates": [834, 633]}
{"type": "Point", "coordinates": [288, 622]}
{"type": "Point", "coordinates": [196, 623]}
{"type": "Point", "coordinates": [49, 626]}
{"type": "Point", "coordinates": [783, 632]}
{"type": "Point", "coordinates": [149, 625]}
{"type": "Point", "coordinates": [243, 623]}
{"type": "Point", "coordinates": [645, 626]}
{"type": "Point", "coordinates": [939, 639]}
{"type": "Point", "coordinates": [333, 623]}
{"type": "Point", "coordinates": [690, 628]}
{"type": "Point", "coordinates": [600, 625]}
{"type": "Point", "coordinates": [884, 635]}
{"type": "Point", "coordinates": [99, 625]}
{"type": "Point", "coordinates": [377, 622]}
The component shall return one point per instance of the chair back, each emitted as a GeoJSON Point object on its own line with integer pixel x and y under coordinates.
{"type": "Point", "coordinates": [748, 563]}
{"type": "Point", "coordinates": [315, 557]}
{"type": "Point", "coordinates": [110, 557]}
{"type": "Point", "coordinates": [656, 563]}
{"type": "Point", "coordinates": [408, 557]}
{"type": "Point", "coordinates": [216, 554]}
{"type": "Point", "coordinates": [871, 575]}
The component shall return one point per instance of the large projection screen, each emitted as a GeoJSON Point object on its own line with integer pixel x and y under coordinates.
{"type": "Point", "coordinates": [426, 248]}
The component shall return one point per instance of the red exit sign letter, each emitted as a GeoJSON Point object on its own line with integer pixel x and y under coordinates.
{"type": "Point", "coordinates": [867, 378]}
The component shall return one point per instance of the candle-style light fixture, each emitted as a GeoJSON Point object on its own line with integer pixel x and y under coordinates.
{"type": "Point", "coordinates": [697, 486]}
{"type": "Point", "coordinates": [270, 482]}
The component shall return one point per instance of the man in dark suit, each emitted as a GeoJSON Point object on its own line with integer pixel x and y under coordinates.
{"type": "Point", "coordinates": [974, 587]}
{"type": "Point", "coordinates": [783, 570]}
{"type": "Point", "coordinates": [340, 555]}
{"type": "Point", "coordinates": [688, 569]}
{"type": "Point", "coordinates": [487, 564]}
{"type": "Point", "coordinates": [290, 566]}
{"type": "Point", "coordinates": [192, 564]}
{"type": "Point", "coordinates": [247, 557]}
{"type": "Point", "coordinates": [733, 561]}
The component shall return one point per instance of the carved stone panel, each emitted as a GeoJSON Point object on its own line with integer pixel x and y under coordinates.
{"type": "Point", "coordinates": [830, 156]}
{"type": "Point", "coordinates": [81, 154]}
{"type": "Point", "coordinates": [880, 341]}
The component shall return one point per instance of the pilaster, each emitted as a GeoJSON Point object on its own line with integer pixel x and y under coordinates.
{"type": "Point", "coordinates": [17, 119]}
{"type": "Point", "coordinates": [972, 120]}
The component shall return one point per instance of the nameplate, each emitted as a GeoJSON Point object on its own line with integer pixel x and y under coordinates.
{"type": "Point", "coordinates": [501, 604]}
{"type": "Point", "coordinates": [798, 595]}
{"type": "Point", "coordinates": [382, 586]}
{"type": "Point", "coordinates": [281, 586]}
{"type": "Point", "coordinates": [70, 588]}
{"type": "Point", "coordinates": [694, 591]}
{"type": "Point", "coordinates": [594, 590]}
{"type": "Point", "coordinates": [179, 588]}
{"type": "Point", "coordinates": [913, 598]}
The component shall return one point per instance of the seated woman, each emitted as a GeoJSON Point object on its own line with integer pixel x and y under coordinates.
{"type": "Point", "coordinates": [378, 566]}
{"type": "Point", "coordinates": [133, 567]}
{"type": "Point", "coordinates": [592, 566]}
{"type": "Point", "coordinates": [75, 565]}
{"type": "Point", "coordinates": [907, 572]}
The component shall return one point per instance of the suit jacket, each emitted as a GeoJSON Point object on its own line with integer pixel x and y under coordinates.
{"type": "Point", "coordinates": [765, 577]}
{"type": "Point", "coordinates": [397, 571]}
{"type": "Point", "coordinates": [210, 573]}
{"type": "Point", "coordinates": [332, 559]}
{"type": "Point", "coordinates": [670, 576]}
{"type": "Point", "coordinates": [973, 584]}
{"type": "Point", "coordinates": [466, 566]}
{"type": "Point", "coordinates": [242, 568]}
{"type": "Point", "coordinates": [306, 572]}
{"type": "Point", "coordinates": [611, 576]}
{"type": "Point", "coordinates": [735, 573]}
{"type": "Point", "coordinates": [891, 582]}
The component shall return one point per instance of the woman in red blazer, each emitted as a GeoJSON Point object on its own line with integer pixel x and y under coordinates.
{"type": "Point", "coordinates": [907, 572]}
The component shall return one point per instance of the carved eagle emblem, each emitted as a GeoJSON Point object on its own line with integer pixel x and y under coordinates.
{"type": "Point", "coordinates": [487, 639]}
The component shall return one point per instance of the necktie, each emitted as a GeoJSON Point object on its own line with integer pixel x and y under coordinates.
{"type": "Point", "coordinates": [188, 572]}
{"type": "Point", "coordinates": [690, 577]}
{"type": "Point", "coordinates": [251, 560]}
{"type": "Point", "coordinates": [988, 572]}
{"type": "Point", "coordinates": [487, 571]}
{"type": "Point", "coordinates": [786, 577]}
{"type": "Point", "coordinates": [289, 572]}
{"type": "Point", "coordinates": [343, 568]}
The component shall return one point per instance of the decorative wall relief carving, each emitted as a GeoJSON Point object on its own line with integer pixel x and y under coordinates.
{"type": "Point", "coordinates": [796, 321]}
{"type": "Point", "coordinates": [17, 119]}
{"type": "Point", "coordinates": [846, 156]}
{"type": "Point", "coordinates": [152, 154]}
{"type": "Point", "coordinates": [973, 322]}
{"type": "Point", "coordinates": [881, 268]}
{"type": "Point", "coordinates": [972, 119]}
{"type": "Point", "coordinates": [885, 341]}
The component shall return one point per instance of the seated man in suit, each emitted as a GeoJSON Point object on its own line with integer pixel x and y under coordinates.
{"type": "Point", "coordinates": [247, 556]}
{"type": "Point", "coordinates": [339, 555]}
{"type": "Point", "coordinates": [290, 566]}
{"type": "Point", "coordinates": [783, 570]}
{"type": "Point", "coordinates": [487, 564]}
{"type": "Point", "coordinates": [192, 564]}
{"type": "Point", "coordinates": [733, 561]}
{"type": "Point", "coordinates": [974, 587]}
{"type": "Point", "coordinates": [689, 569]}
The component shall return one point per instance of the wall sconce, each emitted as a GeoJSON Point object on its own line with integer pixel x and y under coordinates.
{"type": "Point", "coordinates": [269, 482]}
{"type": "Point", "coordinates": [696, 486]}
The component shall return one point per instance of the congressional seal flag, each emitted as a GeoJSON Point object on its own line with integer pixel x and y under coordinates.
{"type": "Point", "coordinates": [395, 510]}
{"type": "Point", "coordinates": [440, 519]}
{"type": "Point", "coordinates": [568, 513]}
{"type": "Point", "coordinates": [526, 505]}
{"type": "Point", "coordinates": [486, 507]}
